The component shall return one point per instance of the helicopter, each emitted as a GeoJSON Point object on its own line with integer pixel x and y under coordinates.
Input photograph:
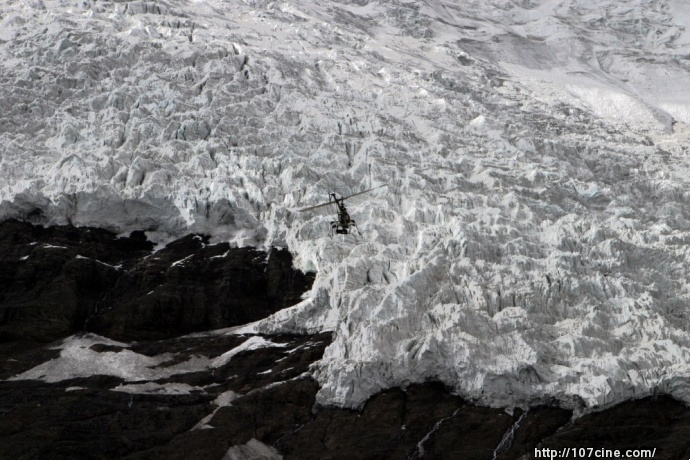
{"type": "Point", "coordinates": [344, 224]}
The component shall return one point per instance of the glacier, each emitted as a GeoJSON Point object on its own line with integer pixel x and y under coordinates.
{"type": "Point", "coordinates": [530, 245]}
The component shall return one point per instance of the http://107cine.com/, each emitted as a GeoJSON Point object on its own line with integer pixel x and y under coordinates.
{"type": "Point", "coordinates": [591, 452]}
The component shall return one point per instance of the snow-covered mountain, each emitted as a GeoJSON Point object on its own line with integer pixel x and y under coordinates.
{"type": "Point", "coordinates": [530, 242]}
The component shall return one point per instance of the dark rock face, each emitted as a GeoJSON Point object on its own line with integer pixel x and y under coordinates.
{"type": "Point", "coordinates": [60, 280]}
{"type": "Point", "coordinates": [45, 421]}
{"type": "Point", "coordinates": [190, 286]}
{"type": "Point", "coordinates": [656, 422]}
{"type": "Point", "coordinates": [86, 418]}
{"type": "Point", "coordinates": [52, 278]}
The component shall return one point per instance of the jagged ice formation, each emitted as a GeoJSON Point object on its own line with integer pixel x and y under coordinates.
{"type": "Point", "coordinates": [531, 242]}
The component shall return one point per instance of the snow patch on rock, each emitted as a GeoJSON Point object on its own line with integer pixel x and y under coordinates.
{"type": "Point", "coordinates": [252, 450]}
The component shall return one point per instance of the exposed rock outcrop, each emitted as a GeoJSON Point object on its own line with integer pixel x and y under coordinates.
{"type": "Point", "coordinates": [60, 280]}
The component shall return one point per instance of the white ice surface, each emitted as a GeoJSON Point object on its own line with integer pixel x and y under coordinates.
{"type": "Point", "coordinates": [532, 240]}
{"type": "Point", "coordinates": [78, 359]}
{"type": "Point", "coordinates": [252, 343]}
{"type": "Point", "coordinates": [157, 388]}
{"type": "Point", "coordinates": [252, 450]}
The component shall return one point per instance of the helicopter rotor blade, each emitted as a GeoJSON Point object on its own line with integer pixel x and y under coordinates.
{"type": "Point", "coordinates": [317, 206]}
{"type": "Point", "coordinates": [365, 191]}
{"type": "Point", "coordinates": [339, 199]}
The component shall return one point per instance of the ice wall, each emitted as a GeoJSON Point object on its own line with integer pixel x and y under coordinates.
{"type": "Point", "coordinates": [530, 243]}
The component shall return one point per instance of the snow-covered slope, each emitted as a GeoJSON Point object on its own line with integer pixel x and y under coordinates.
{"type": "Point", "coordinates": [530, 243]}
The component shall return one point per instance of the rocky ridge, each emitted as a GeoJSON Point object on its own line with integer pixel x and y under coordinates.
{"type": "Point", "coordinates": [59, 280]}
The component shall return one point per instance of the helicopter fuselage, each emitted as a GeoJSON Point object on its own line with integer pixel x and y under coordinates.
{"type": "Point", "coordinates": [344, 222]}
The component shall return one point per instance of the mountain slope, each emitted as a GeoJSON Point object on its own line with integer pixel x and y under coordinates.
{"type": "Point", "coordinates": [530, 243]}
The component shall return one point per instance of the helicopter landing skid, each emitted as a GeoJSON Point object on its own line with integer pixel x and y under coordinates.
{"type": "Point", "coordinates": [339, 229]}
